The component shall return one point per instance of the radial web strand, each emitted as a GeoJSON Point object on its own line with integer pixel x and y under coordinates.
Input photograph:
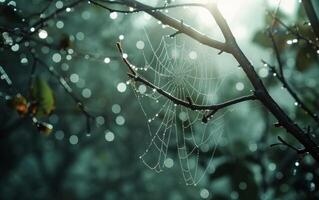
{"type": "Point", "coordinates": [183, 71]}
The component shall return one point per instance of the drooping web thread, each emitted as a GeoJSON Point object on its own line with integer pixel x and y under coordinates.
{"type": "Point", "coordinates": [183, 71]}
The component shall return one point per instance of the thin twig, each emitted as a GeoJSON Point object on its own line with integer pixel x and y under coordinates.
{"type": "Point", "coordinates": [188, 103]}
{"type": "Point", "coordinates": [232, 47]}
{"type": "Point", "coordinates": [178, 24]}
{"type": "Point", "coordinates": [296, 33]}
{"type": "Point", "coordinates": [283, 142]}
{"type": "Point", "coordinates": [286, 85]}
{"type": "Point", "coordinates": [313, 18]}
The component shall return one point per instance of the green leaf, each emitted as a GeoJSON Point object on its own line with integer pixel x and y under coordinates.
{"type": "Point", "coordinates": [42, 96]}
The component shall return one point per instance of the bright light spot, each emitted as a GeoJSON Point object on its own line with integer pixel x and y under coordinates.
{"type": "Point", "coordinates": [192, 55]}
{"type": "Point", "coordinates": [240, 32]}
{"type": "Point", "coordinates": [43, 34]}
{"type": "Point", "coordinates": [68, 9]}
{"type": "Point", "coordinates": [240, 86]}
{"type": "Point", "coordinates": [59, 4]}
{"type": "Point", "coordinates": [272, 166]}
{"type": "Point", "coordinates": [113, 15]}
{"type": "Point", "coordinates": [86, 15]}
{"type": "Point", "coordinates": [204, 193]}
{"type": "Point", "coordinates": [86, 93]}
{"type": "Point", "coordinates": [24, 60]}
{"type": "Point", "coordinates": [234, 195]}
{"type": "Point", "coordinates": [125, 55]}
{"type": "Point", "coordinates": [65, 67]}
{"type": "Point", "coordinates": [100, 120]}
{"type": "Point", "coordinates": [116, 108]}
{"type": "Point", "coordinates": [287, 6]}
{"type": "Point", "coordinates": [168, 163]}
{"type": "Point", "coordinates": [140, 44]}
{"type": "Point", "coordinates": [107, 60]}
{"type": "Point", "coordinates": [109, 136]}
{"type": "Point", "coordinates": [59, 135]}
{"type": "Point", "coordinates": [120, 120]}
{"type": "Point", "coordinates": [121, 87]}
{"type": "Point", "coordinates": [74, 78]}
{"type": "Point", "coordinates": [73, 139]}
{"type": "Point", "coordinates": [15, 47]}
{"type": "Point", "coordinates": [59, 24]}
{"type": "Point", "coordinates": [263, 72]}
{"type": "Point", "coordinates": [142, 89]}
{"type": "Point", "coordinates": [80, 36]}
{"type": "Point", "coordinates": [253, 147]}
{"type": "Point", "coordinates": [289, 42]}
{"type": "Point", "coordinates": [242, 185]}
{"type": "Point", "coordinates": [56, 57]}
{"type": "Point", "coordinates": [231, 10]}
{"type": "Point", "coordinates": [69, 57]}
{"type": "Point", "coordinates": [312, 186]}
{"type": "Point", "coordinates": [70, 51]}
{"type": "Point", "coordinates": [12, 3]}
{"type": "Point", "coordinates": [121, 37]}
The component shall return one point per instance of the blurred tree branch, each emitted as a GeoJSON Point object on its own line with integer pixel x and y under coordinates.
{"type": "Point", "coordinates": [313, 18]}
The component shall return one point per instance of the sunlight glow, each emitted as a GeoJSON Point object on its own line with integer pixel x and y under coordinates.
{"type": "Point", "coordinates": [286, 6]}
{"type": "Point", "coordinates": [238, 11]}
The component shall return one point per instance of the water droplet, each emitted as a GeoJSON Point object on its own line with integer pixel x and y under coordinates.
{"type": "Point", "coordinates": [43, 34]}
{"type": "Point", "coordinates": [312, 186]}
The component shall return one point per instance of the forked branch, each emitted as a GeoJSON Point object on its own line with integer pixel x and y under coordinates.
{"type": "Point", "coordinates": [188, 103]}
{"type": "Point", "coordinates": [178, 25]}
{"type": "Point", "coordinates": [231, 46]}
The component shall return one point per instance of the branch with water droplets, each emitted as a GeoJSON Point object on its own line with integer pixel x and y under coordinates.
{"type": "Point", "coordinates": [232, 47]}
{"type": "Point", "coordinates": [284, 143]}
{"type": "Point", "coordinates": [212, 109]}
{"type": "Point", "coordinates": [179, 25]}
{"type": "Point", "coordinates": [296, 33]}
{"type": "Point", "coordinates": [297, 99]}
{"type": "Point", "coordinates": [313, 18]}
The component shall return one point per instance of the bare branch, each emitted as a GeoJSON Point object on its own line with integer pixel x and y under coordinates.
{"type": "Point", "coordinates": [277, 54]}
{"type": "Point", "coordinates": [280, 76]}
{"type": "Point", "coordinates": [313, 18]}
{"type": "Point", "coordinates": [45, 8]}
{"type": "Point", "coordinates": [297, 99]}
{"type": "Point", "coordinates": [283, 142]}
{"type": "Point", "coordinates": [188, 103]}
{"type": "Point", "coordinates": [230, 46]}
{"type": "Point", "coordinates": [179, 25]}
{"type": "Point", "coordinates": [58, 11]}
{"type": "Point", "coordinates": [296, 33]}
{"type": "Point", "coordinates": [128, 64]}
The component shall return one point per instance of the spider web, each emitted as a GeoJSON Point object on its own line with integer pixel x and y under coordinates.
{"type": "Point", "coordinates": [184, 73]}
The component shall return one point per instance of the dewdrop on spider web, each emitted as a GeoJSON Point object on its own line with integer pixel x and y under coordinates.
{"type": "Point", "coordinates": [175, 133]}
